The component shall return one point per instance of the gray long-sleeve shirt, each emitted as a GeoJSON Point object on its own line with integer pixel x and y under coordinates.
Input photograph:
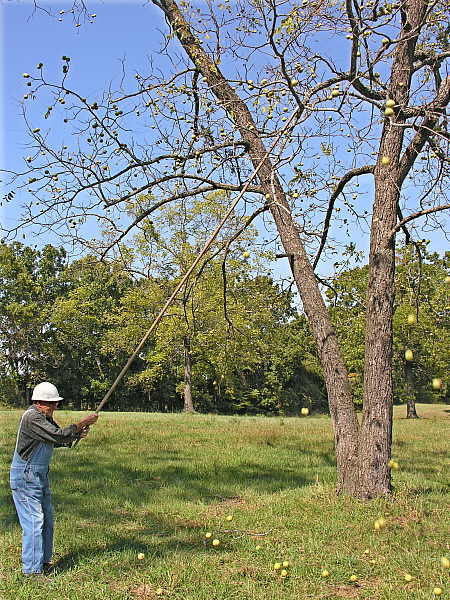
{"type": "Point", "coordinates": [35, 427]}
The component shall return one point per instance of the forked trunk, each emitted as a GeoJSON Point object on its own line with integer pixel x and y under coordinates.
{"type": "Point", "coordinates": [362, 453]}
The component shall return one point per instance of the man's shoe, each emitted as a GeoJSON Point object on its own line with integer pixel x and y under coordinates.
{"type": "Point", "coordinates": [47, 568]}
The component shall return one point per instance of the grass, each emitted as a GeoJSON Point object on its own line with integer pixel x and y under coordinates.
{"type": "Point", "coordinates": [155, 484]}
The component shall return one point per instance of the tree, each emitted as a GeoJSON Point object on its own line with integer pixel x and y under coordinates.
{"type": "Point", "coordinates": [227, 126]}
{"type": "Point", "coordinates": [30, 283]}
{"type": "Point", "coordinates": [221, 326]}
{"type": "Point", "coordinates": [79, 320]}
{"type": "Point", "coordinates": [420, 326]}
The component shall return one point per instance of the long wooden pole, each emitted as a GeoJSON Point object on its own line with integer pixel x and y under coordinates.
{"type": "Point", "coordinates": [192, 267]}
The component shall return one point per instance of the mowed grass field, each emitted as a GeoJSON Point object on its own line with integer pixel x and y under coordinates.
{"type": "Point", "coordinates": [157, 483]}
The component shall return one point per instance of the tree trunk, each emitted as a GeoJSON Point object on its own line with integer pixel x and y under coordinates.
{"type": "Point", "coordinates": [187, 393]}
{"type": "Point", "coordinates": [376, 427]}
{"type": "Point", "coordinates": [410, 391]}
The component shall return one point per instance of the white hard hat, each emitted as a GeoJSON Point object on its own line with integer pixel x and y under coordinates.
{"type": "Point", "coordinates": [46, 392]}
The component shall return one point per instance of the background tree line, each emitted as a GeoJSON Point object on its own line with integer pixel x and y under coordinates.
{"type": "Point", "coordinates": [75, 322]}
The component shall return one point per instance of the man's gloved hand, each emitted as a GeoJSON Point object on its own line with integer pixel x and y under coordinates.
{"type": "Point", "coordinates": [83, 433]}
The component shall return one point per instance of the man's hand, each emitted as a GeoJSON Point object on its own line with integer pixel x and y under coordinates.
{"type": "Point", "coordinates": [83, 433]}
{"type": "Point", "coordinates": [86, 422]}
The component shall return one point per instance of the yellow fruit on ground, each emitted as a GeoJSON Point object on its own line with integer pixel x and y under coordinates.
{"type": "Point", "coordinates": [215, 542]}
{"type": "Point", "coordinates": [325, 573]}
{"type": "Point", "coordinates": [229, 517]}
{"type": "Point", "coordinates": [283, 573]}
{"type": "Point", "coordinates": [393, 464]}
{"type": "Point", "coordinates": [445, 562]}
{"type": "Point", "coordinates": [258, 548]}
{"type": "Point", "coordinates": [208, 535]}
{"type": "Point", "coordinates": [141, 556]}
{"type": "Point", "coordinates": [277, 566]}
{"type": "Point", "coordinates": [366, 551]}
{"type": "Point", "coordinates": [305, 411]}
{"type": "Point", "coordinates": [159, 591]}
{"type": "Point", "coordinates": [447, 279]}
{"type": "Point", "coordinates": [285, 563]}
{"type": "Point", "coordinates": [437, 591]}
{"type": "Point", "coordinates": [353, 577]}
{"type": "Point", "coordinates": [407, 577]}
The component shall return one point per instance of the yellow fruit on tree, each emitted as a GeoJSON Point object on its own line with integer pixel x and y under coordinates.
{"type": "Point", "coordinates": [412, 319]}
{"type": "Point", "coordinates": [389, 112]}
{"type": "Point", "coordinates": [436, 383]}
{"type": "Point", "coordinates": [385, 160]}
{"type": "Point", "coordinates": [409, 355]}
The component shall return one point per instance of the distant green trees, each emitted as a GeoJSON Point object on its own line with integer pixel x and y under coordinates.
{"type": "Point", "coordinates": [235, 348]}
{"type": "Point", "coordinates": [421, 325]}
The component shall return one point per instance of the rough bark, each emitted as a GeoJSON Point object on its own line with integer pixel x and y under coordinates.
{"type": "Point", "coordinates": [187, 392]}
{"type": "Point", "coordinates": [376, 427]}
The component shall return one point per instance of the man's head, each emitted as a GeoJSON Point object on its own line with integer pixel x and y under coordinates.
{"type": "Point", "coordinates": [46, 397]}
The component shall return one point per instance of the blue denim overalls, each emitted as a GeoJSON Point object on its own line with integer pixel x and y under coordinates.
{"type": "Point", "coordinates": [31, 494]}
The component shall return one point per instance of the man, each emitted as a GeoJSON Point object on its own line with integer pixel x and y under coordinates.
{"type": "Point", "coordinates": [37, 436]}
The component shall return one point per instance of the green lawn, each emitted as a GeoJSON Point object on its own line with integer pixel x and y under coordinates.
{"type": "Point", "coordinates": [156, 484]}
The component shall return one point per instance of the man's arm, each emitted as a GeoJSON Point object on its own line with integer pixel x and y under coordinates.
{"type": "Point", "coordinates": [40, 428]}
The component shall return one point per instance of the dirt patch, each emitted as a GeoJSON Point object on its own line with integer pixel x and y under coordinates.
{"type": "Point", "coordinates": [224, 505]}
{"type": "Point", "coordinates": [147, 592]}
{"type": "Point", "coordinates": [181, 522]}
{"type": "Point", "coordinates": [404, 520]}
{"type": "Point", "coordinates": [346, 591]}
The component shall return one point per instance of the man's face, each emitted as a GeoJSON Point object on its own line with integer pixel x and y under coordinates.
{"type": "Point", "coordinates": [47, 408]}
